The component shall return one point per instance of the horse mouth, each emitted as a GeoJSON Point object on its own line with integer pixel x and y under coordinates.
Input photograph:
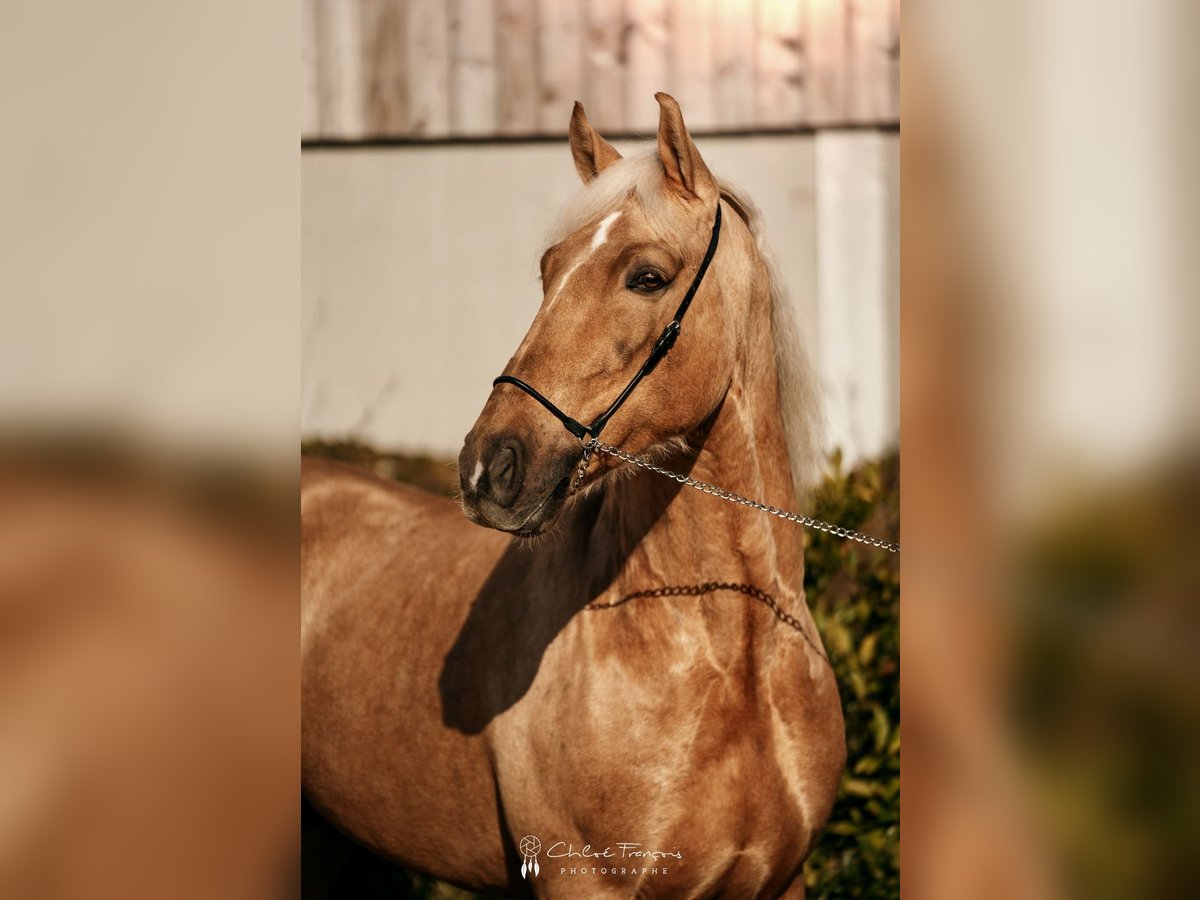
{"type": "Point", "coordinates": [543, 515]}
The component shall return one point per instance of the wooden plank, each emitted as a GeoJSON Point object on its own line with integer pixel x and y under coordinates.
{"type": "Point", "coordinates": [310, 75]}
{"type": "Point", "coordinates": [427, 54]}
{"type": "Point", "coordinates": [604, 64]}
{"type": "Point", "coordinates": [339, 53]}
{"type": "Point", "coordinates": [825, 42]}
{"type": "Point", "coordinates": [733, 64]}
{"type": "Point", "coordinates": [896, 32]}
{"type": "Point", "coordinates": [779, 64]}
{"type": "Point", "coordinates": [385, 70]}
{"type": "Point", "coordinates": [872, 64]}
{"type": "Point", "coordinates": [691, 62]}
{"type": "Point", "coordinates": [473, 75]}
{"type": "Point", "coordinates": [437, 68]}
{"type": "Point", "coordinates": [560, 30]}
{"type": "Point", "coordinates": [648, 33]}
{"type": "Point", "coordinates": [516, 28]}
{"type": "Point", "coordinates": [894, 55]}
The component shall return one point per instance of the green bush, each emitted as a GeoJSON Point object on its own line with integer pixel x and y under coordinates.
{"type": "Point", "coordinates": [854, 593]}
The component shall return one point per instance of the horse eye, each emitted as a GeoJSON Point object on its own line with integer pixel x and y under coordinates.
{"type": "Point", "coordinates": [647, 281]}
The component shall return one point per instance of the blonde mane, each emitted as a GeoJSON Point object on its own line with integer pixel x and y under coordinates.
{"type": "Point", "coordinates": [799, 394]}
{"type": "Point", "coordinates": [642, 174]}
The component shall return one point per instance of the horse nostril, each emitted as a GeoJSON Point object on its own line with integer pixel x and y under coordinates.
{"type": "Point", "coordinates": [504, 475]}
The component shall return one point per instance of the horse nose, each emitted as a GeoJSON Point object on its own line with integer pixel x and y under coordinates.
{"type": "Point", "coordinates": [504, 473]}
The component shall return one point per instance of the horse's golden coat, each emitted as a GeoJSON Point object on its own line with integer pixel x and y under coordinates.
{"type": "Point", "coordinates": [458, 695]}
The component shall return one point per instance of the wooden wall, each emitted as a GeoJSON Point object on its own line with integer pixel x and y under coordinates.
{"type": "Point", "coordinates": [436, 69]}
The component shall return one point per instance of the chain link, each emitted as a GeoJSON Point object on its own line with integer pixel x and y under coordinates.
{"type": "Point", "coordinates": [704, 487]}
{"type": "Point", "coordinates": [709, 587]}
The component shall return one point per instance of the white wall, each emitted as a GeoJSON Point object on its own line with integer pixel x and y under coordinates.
{"type": "Point", "coordinates": [420, 275]}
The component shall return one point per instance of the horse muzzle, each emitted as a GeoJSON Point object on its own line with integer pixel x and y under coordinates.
{"type": "Point", "coordinates": [504, 488]}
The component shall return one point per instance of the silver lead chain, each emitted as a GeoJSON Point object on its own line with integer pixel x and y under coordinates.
{"type": "Point", "coordinates": [837, 530]}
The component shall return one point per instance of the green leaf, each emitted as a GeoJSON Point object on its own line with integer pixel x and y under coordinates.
{"type": "Point", "coordinates": [866, 650]}
{"type": "Point", "coordinates": [856, 787]}
{"type": "Point", "coordinates": [882, 727]}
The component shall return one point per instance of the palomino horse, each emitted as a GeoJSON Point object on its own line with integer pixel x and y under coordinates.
{"type": "Point", "coordinates": [474, 703]}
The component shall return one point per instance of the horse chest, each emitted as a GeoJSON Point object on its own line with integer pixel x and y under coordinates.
{"type": "Point", "coordinates": [693, 753]}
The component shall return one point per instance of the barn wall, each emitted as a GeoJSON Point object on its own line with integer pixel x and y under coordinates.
{"type": "Point", "coordinates": [421, 69]}
{"type": "Point", "coordinates": [420, 275]}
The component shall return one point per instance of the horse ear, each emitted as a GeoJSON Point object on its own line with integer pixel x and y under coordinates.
{"type": "Point", "coordinates": [680, 158]}
{"type": "Point", "coordinates": [593, 154]}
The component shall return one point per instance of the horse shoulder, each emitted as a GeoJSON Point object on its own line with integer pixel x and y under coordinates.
{"type": "Point", "coordinates": [384, 594]}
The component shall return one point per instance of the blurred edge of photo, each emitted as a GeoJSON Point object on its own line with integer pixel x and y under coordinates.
{"type": "Point", "coordinates": [149, 384]}
{"type": "Point", "coordinates": [1050, 683]}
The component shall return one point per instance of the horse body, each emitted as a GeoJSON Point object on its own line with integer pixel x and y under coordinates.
{"type": "Point", "coordinates": [377, 759]}
{"type": "Point", "coordinates": [463, 689]}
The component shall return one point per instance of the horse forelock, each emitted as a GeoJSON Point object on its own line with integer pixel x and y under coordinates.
{"type": "Point", "coordinates": [638, 177]}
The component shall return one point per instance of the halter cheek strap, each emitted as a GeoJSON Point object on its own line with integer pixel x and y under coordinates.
{"type": "Point", "coordinates": [661, 348]}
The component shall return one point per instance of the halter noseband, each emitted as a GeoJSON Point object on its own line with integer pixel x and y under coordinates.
{"type": "Point", "coordinates": [661, 348]}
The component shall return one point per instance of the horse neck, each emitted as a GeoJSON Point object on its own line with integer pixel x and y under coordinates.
{"type": "Point", "coordinates": [665, 534]}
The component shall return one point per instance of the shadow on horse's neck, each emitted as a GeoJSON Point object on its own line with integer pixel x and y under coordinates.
{"type": "Point", "coordinates": [530, 595]}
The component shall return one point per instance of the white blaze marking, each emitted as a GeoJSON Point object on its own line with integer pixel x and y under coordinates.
{"type": "Point", "coordinates": [478, 471]}
{"type": "Point", "coordinates": [563, 284]}
{"type": "Point", "coordinates": [601, 234]}
{"type": "Point", "coordinates": [598, 241]}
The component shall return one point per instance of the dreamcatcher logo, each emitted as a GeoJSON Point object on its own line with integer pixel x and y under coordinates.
{"type": "Point", "coordinates": [530, 847]}
{"type": "Point", "coordinates": [628, 859]}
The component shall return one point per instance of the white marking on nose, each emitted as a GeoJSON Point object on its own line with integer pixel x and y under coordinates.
{"type": "Point", "coordinates": [598, 241]}
{"type": "Point", "coordinates": [475, 475]}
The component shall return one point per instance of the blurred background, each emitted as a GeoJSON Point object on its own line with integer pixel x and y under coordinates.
{"type": "Point", "coordinates": [149, 390]}
{"type": "Point", "coordinates": [1051, 687]}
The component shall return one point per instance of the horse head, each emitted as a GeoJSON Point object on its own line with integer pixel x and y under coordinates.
{"type": "Point", "coordinates": [623, 254]}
